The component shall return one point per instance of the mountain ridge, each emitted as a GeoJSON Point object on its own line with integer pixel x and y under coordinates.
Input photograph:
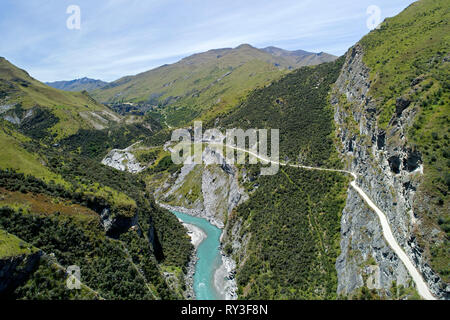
{"type": "Point", "coordinates": [80, 84]}
{"type": "Point", "coordinates": [23, 96]}
{"type": "Point", "coordinates": [211, 81]}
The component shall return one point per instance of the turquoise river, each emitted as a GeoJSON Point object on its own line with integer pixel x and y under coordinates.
{"type": "Point", "coordinates": [209, 258]}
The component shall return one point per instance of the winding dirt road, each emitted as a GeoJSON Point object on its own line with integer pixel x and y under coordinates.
{"type": "Point", "coordinates": [421, 285]}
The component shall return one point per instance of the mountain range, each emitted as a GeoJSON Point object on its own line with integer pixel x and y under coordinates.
{"type": "Point", "coordinates": [78, 84]}
{"type": "Point", "coordinates": [210, 82]}
{"type": "Point", "coordinates": [84, 185]}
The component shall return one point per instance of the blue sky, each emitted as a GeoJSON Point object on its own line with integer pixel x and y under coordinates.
{"type": "Point", "coordinates": [125, 37]}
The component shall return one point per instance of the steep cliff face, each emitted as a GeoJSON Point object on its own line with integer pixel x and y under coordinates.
{"type": "Point", "coordinates": [390, 171]}
{"type": "Point", "coordinates": [116, 225]}
{"type": "Point", "coordinates": [14, 270]}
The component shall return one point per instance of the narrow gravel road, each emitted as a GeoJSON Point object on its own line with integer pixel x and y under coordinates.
{"type": "Point", "coordinates": [421, 285]}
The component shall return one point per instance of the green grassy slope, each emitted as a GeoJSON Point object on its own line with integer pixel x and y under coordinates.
{"type": "Point", "coordinates": [408, 57]}
{"type": "Point", "coordinates": [11, 246]}
{"type": "Point", "coordinates": [23, 155]}
{"type": "Point", "coordinates": [14, 156]}
{"type": "Point", "coordinates": [215, 79]}
{"type": "Point", "coordinates": [73, 110]}
{"type": "Point", "coordinates": [55, 115]}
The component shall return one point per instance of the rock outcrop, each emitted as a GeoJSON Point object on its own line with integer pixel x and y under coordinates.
{"type": "Point", "coordinates": [116, 225]}
{"type": "Point", "coordinates": [123, 160]}
{"type": "Point", "coordinates": [209, 191]}
{"type": "Point", "coordinates": [14, 270]}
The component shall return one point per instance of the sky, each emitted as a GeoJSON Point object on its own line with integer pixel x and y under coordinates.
{"type": "Point", "coordinates": [124, 37]}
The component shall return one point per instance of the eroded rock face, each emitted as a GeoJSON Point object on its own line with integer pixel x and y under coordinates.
{"type": "Point", "coordinates": [389, 171]}
{"type": "Point", "coordinates": [123, 160]}
{"type": "Point", "coordinates": [401, 104]}
{"type": "Point", "coordinates": [116, 225]}
{"type": "Point", "coordinates": [106, 219]}
{"type": "Point", "coordinates": [209, 191]}
{"type": "Point", "coordinates": [5, 107]}
{"type": "Point", "coordinates": [8, 113]}
{"type": "Point", "coordinates": [365, 257]}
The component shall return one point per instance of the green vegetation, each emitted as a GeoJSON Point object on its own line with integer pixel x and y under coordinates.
{"type": "Point", "coordinates": [164, 164]}
{"type": "Point", "coordinates": [74, 110]}
{"type": "Point", "coordinates": [148, 156]}
{"type": "Point", "coordinates": [293, 217]}
{"type": "Point", "coordinates": [53, 188]}
{"type": "Point", "coordinates": [48, 282]}
{"type": "Point", "coordinates": [213, 81]}
{"type": "Point", "coordinates": [27, 156]}
{"type": "Point", "coordinates": [83, 242]}
{"type": "Point", "coordinates": [95, 144]}
{"type": "Point", "coordinates": [191, 190]}
{"type": "Point", "coordinates": [408, 59]}
{"type": "Point", "coordinates": [14, 156]}
{"type": "Point", "coordinates": [399, 292]}
{"type": "Point", "coordinates": [37, 126]}
{"type": "Point", "coordinates": [396, 292]}
{"type": "Point", "coordinates": [172, 247]}
{"type": "Point", "coordinates": [297, 106]}
{"type": "Point", "coordinates": [98, 257]}
{"type": "Point", "coordinates": [45, 204]}
{"type": "Point", "coordinates": [11, 246]}
{"type": "Point", "coordinates": [294, 236]}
